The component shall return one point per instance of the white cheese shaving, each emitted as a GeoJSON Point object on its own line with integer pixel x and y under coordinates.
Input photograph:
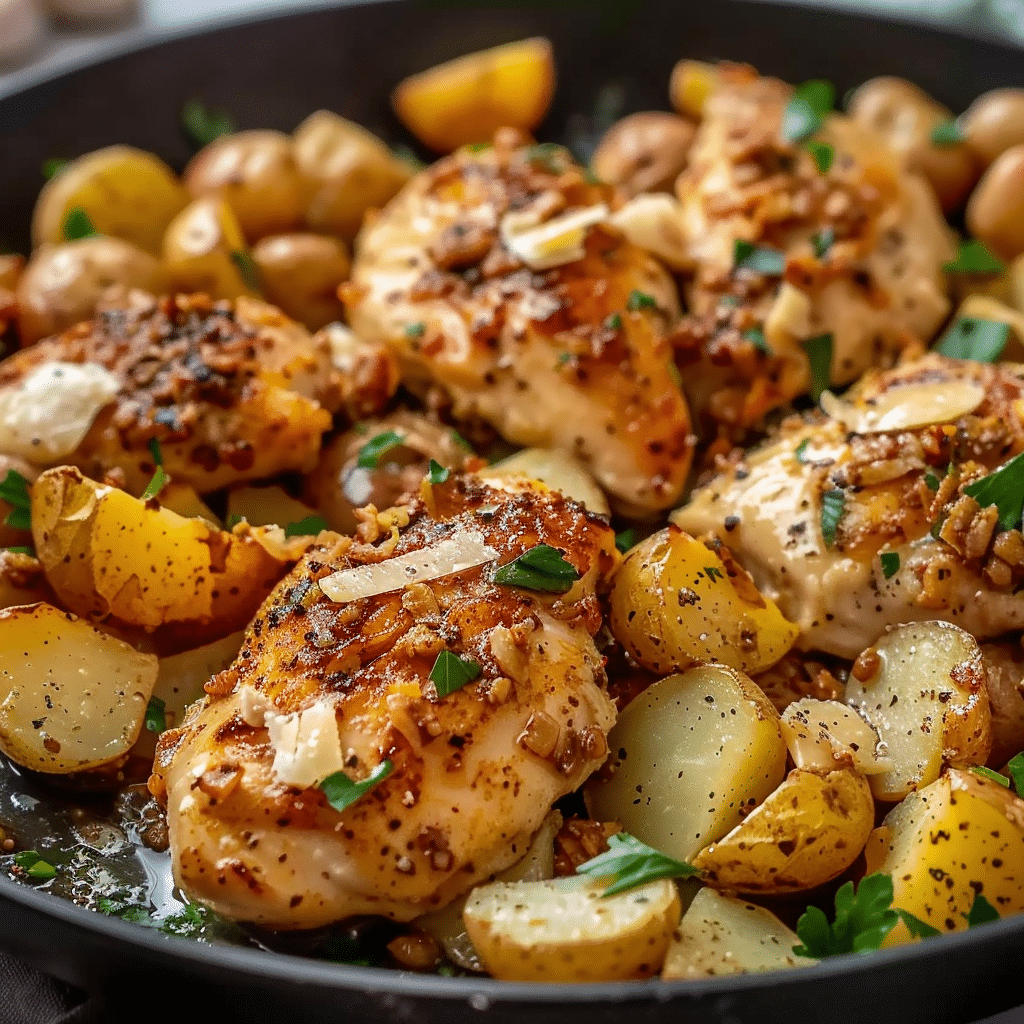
{"type": "Point", "coordinates": [46, 415]}
{"type": "Point", "coordinates": [553, 243]}
{"type": "Point", "coordinates": [451, 555]}
{"type": "Point", "coordinates": [907, 406]}
{"type": "Point", "coordinates": [654, 221]}
{"type": "Point", "coordinates": [252, 706]}
{"type": "Point", "coordinates": [307, 745]}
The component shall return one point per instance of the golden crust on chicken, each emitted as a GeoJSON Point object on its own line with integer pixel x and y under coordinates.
{"type": "Point", "coordinates": [889, 470]}
{"type": "Point", "coordinates": [475, 770]}
{"type": "Point", "coordinates": [231, 391]}
{"type": "Point", "coordinates": [860, 247]}
{"type": "Point", "coordinates": [553, 352]}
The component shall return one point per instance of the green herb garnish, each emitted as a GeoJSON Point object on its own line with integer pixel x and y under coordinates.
{"type": "Point", "coordinates": [947, 133]}
{"type": "Point", "coordinates": [981, 912]}
{"type": "Point", "coordinates": [973, 258]}
{"type": "Point", "coordinates": [189, 921]}
{"type": "Point", "coordinates": [1005, 489]}
{"type": "Point", "coordinates": [308, 527]}
{"type": "Point", "coordinates": [156, 485]}
{"type": "Point", "coordinates": [78, 225]}
{"type": "Point", "coordinates": [823, 241]}
{"type": "Point", "coordinates": [20, 551]}
{"type": "Point", "coordinates": [156, 715]}
{"type": "Point", "coordinates": [436, 473]}
{"type": "Point", "coordinates": [823, 155]}
{"type": "Point", "coordinates": [613, 322]}
{"type": "Point", "coordinates": [625, 540]}
{"type": "Point", "coordinates": [233, 520]}
{"type": "Point", "coordinates": [714, 573]}
{"type": "Point", "coordinates": [14, 490]}
{"type": "Point", "coordinates": [801, 451]}
{"type": "Point", "coordinates": [987, 773]}
{"type": "Point", "coordinates": [416, 330]}
{"type": "Point", "coordinates": [632, 863]}
{"type": "Point", "coordinates": [673, 372]}
{"type": "Point", "coordinates": [819, 355]}
{"type": "Point", "coordinates": [1015, 766]}
{"type": "Point", "coordinates": [548, 155]}
{"type": "Point", "coordinates": [33, 865]}
{"type": "Point", "coordinates": [932, 481]}
{"type": "Point", "coordinates": [247, 270]}
{"type": "Point", "coordinates": [832, 503]}
{"type": "Point", "coordinates": [451, 673]}
{"type": "Point", "coordinates": [342, 792]}
{"type": "Point", "coordinates": [757, 259]}
{"type": "Point", "coordinates": [806, 111]}
{"type": "Point", "coordinates": [756, 338]}
{"type": "Point", "coordinates": [53, 166]}
{"type": "Point", "coordinates": [407, 156]}
{"type": "Point", "coordinates": [371, 452]}
{"type": "Point", "coordinates": [541, 568]}
{"type": "Point", "coordinates": [462, 442]}
{"type": "Point", "coordinates": [640, 300]}
{"type": "Point", "coordinates": [971, 338]}
{"type": "Point", "coordinates": [890, 563]}
{"type": "Point", "coordinates": [202, 125]}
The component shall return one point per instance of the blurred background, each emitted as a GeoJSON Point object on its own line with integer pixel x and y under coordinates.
{"type": "Point", "coordinates": [69, 30]}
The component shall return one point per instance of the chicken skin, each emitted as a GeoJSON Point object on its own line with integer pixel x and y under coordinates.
{"type": "Point", "coordinates": [475, 769]}
{"type": "Point", "coordinates": [565, 351]}
{"type": "Point", "coordinates": [231, 392]}
{"type": "Point", "coordinates": [854, 251]}
{"type": "Point", "coordinates": [888, 472]}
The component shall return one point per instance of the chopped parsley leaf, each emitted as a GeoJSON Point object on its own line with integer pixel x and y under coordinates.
{"type": "Point", "coordinates": [890, 563]}
{"type": "Point", "coordinates": [33, 865]}
{"type": "Point", "coordinates": [78, 225]}
{"type": "Point", "coordinates": [308, 527]}
{"type": "Point", "coordinates": [202, 125]}
{"type": "Point", "coordinates": [640, 300]}
{"type": "Point", "coordinates": [632, 863]}
{"type": "Point", "coordinates": [342, 792]}
{"type": "Point", "coordinates": [1015, 766]}
{"type": "Point", "coordinates": [819, 355]}
{"type": "Point", "coordinates": [416, 330]}
{"type": "Point", "coordinates": [625, 540]}
{"type": "Point", "coordinates": [462, 442]}
{"type": "Point", "coordinates": [832, 504]}
{"type": "Point", "coordinates": [823, 241]}
{"type": "Point", "coordinates": [14, 490]}
{"type": "Point", "coordinates": [947, 133]}
{"type": "Point", "coordinates": [823, 155]}
{"type": "Point", "coordinates": [156, 485]}
{"type": "Point", "coordinates": [756, 338]}
{"type": "Point", "coordinates": [53, 167]}
{"type": "Point", "coordinates": [451, 673]}
{"type": "Point", "coordinates": [20, 551]}
{"type": "Point", "coordinates": [987, 773]}
{"type": "Point", "coordinates": [371, 452]}
{"type": "Point", "coordinates": [156, 717]}
{"type": "Point", "coordinates": [801, 451]}
{"type": "Point", "coordinates": [1005, 489]}
{"type": "Point", "coordinates": [436, 473]}
{"type": "Point", "coordinates": [805, 112]}
{"type": "Point", "coordinates": [247, 270]}
{"type": "Point", "coordinates": [540, 568]}
{"type": "Point", "coordinates": [974, 258]}
{"type": "Point", "coordinates": [981, 912]}
{"type": "Point", "coordinates": [757, 259]}
{"type": "Point", "coordinates": [714, 573]}
{"type": "Point", "coordinates": [971, 338]}
{"type": "Point", "coordinates": [613, 322]}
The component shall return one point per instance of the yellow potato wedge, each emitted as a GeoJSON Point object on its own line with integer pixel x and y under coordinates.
{"type": "Point", "coordinates": [962, 834]}
{"type": "Point", "coordinates": [125, 192]}
{"type": "Point", "coordinates": [468, 99]}
{"type": "Point", "coordinates": [723, 935]}
{"type": "Point", "coordinates": [107, 554]}
{"type": "Point", "coordinates": [556, 470]}
{"type": "Point", "coordinates": [565, 930]}
{"type": "Point", "coordinates": [807, 832]}
{"type": "Point", "coordinates": [689, 756]}
{"type": "Point", "coordinates": [927, 700]}
{"type": "Point", "coordinates": [204, 250]}
{"type": "Point", "coordinates": [75, 697]}
{"type": "Point", "coordinates": [268, 506]}
{"type": "Point", "coordinates": [675, 602]}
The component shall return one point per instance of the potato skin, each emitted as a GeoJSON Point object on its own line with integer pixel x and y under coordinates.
{"type": "Point", "coordinates": [126, 192]}
{"type": "Point", "coordinates": [300, 274]}
{"type": "Point", "coordinates": [64, 283]}
{"type": "Point", "coordinates": [806, 833]}
{"type": "Point", "coordinates": [994, 122]}
{"type": "Point", "coordinates": [255, 173]}
{"type": "Point", "coordinates": [995, 213]}
{"type": "Point", "coordinates": [675, 602]}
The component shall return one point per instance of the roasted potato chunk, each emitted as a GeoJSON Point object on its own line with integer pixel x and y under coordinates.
{"type": "Point", "coordinates": [565, 930]}
{"type": "Point", "coordinates": [690, 756]}
{"type": "Point", "coordinates": [806, 833]}
{"type": "Point", "coordinates": [125, 192]}
{"type": "Point", "coordinates": [75, 697]}
{"type": "Point", "coordinates": [644, 152]}
{"type": "Point", "coordinates": [676, 602]}
{"type": "Point", "coordinates": [556, 470]}
{"type": "Point", "coordinates": [468, 99]}
{"type": "Point", "coordinates": [926, 697]}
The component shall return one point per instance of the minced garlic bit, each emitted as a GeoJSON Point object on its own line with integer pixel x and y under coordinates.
{"type": "Point", "coordinates": [553, 243]}
{"type": "Point", "coordinates": [907, 406]}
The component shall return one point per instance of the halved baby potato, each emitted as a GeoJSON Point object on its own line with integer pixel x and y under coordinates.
{"type": "Point", "coordinates": [564, 929]}
{"type": "Point", "coordinates": [806, 833]}
{"type": "Point", "coordinates": [75, 698]}
{"type": "Point", "coordinates": [960, 836]}
{"type": "Point", "coordinates": [107, 554]}
{"type": "Point", "coordinates": [468, 99]}
{"type": "Point", "coordinates": [723, 935]}
{"type": "Point", "coordinates": [689, 757]}
{"type": "Point", "coordinates": [125, 192]}
{"type": "Point", "coordinates": [926, 698]}
{"type": "Point", "coordinates": [676, 602]}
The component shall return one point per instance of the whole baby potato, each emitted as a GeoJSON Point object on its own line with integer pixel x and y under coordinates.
{"type": "Point", "coordinates": [300, 274]}
{"type": "Point", "coordinates": [255, 173]}
{"type": "Point", "coordinates": [644, 152]}
{"type": "Point", "coordinates": [995, 213]}
{"type": "Point", "coordinates": [125, 192]}
{"type": "Point", "coordinates": [64, 283]}
{"type": "Point", "coordinates": [905, 117]}
{"type": "Point", "coordinates": [350, 169]}
{"type": "Point", "coordinates": [994, 122]}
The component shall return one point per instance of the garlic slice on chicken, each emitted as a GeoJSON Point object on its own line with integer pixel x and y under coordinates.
{"type": "Point", "coordinates": [553, 243]}
{"type": "Point", "coordinates": [907, 406]}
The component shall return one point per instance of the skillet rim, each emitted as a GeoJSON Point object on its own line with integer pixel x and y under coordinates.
{"type": "Point", "coordinates": [294, 971]}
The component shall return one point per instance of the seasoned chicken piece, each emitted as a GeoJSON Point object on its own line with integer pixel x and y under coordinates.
{"type": "Point", "coordinates": [810, 513]}
{"type": "Point", "coordinates": [857, 252]}
{"type": "Point", "coordinates": [231, 392]}
{"type": "Point", "coordinates": [364, 679]}
{"type": "Point", "coordinates": [557, 342]}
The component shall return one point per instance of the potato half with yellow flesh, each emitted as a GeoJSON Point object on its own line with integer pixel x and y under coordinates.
{"type": "Point", "coordinates": [690, 756]}
{"type": "Point", "coordinates": [75, 698]}
{"type": "Point", "coordinates": [960, 836]}
{"type": "Point", "coordinates": [807, 832]}
{"type": "Point", "coordinates": [925, 695]}
{"type": "Point", "coordinates": [564, 929]}
{"type": "Point", "coordinates": [468, 99]}
{"type": "Point", "coordinates": [676, 602]}
{"type": "Point", "coordinates": [125, 192]}
{"type": "Point", "coordinates": [107, 554]}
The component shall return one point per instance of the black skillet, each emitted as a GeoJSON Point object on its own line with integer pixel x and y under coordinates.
{"type": "Point", "coordinates": [271, 73]}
